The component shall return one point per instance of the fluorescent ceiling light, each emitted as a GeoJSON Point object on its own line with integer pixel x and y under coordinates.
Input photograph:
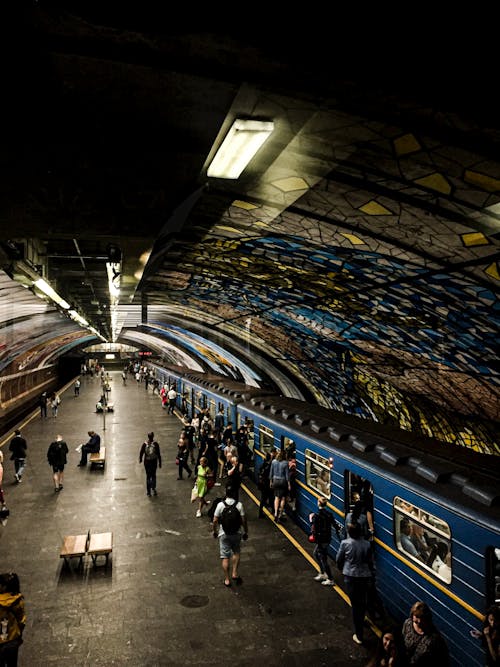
{"type": "Point", "coordinates": [47, 289]}
{"type": "Point", "coordinates": [240, 145]}
{"type": "Point", "coordinates": [78, 318]}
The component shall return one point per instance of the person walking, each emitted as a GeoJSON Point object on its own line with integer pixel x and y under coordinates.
{"type": "Point", "coordinates": [322, 523]}
{"type": "Point", "coordinates": [229, 521]}
{"type": "Point", "coordinates": [77, 387]}
{"type": "Point", "coordinates": [182, 457]}
{"type": "Point", "coordinates": [57, 458]}
{"type": "Point", "coordinates": [150, 452]}
{"type": "Point", "coordinates": [12, 619]}
{"type": "Point", "coordinates": [43, 405]}
{"type": "Point", "coordinates": [172, 397]}
{"type": "Point", "coordinates": [266, 493]}
{"type": "Point", "coordinates": [91, 447]}
{"type": "Point", "coordinates": [18, 446]}
{"type": "Point", "coordinates": [54, 403]}
{"type": "Point", "coordinates": [280, 483]}
{"type": "Point", "coordinates": [355, 561]}
{"type": "Point", "coordinates": [203, 474]}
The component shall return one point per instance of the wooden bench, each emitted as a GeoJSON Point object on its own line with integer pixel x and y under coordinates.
{"type": "Point", "coordinates": [74, 546]}
{"type": "Point", "coordinates": [98, 459]}
{"type": "Point", "coordinates": [101, 544]}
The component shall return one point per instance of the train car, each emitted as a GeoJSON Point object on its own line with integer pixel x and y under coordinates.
{"type": "Point", "coordinates": [450, 497]}
{"type": "Point", "coordinates": [197, 392]}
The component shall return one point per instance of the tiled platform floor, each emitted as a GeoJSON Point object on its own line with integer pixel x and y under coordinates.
{"type": "Point", "coordinates": [161, 601]}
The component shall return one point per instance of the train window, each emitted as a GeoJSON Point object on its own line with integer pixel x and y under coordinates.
{"type": "Point", "coordinates": [211, 407]}
{"type": "Point", "coordinates": [318, 472]}
{"type": "Point", "coordinates": [423, 538]}
{"type": "Point", "coordinates": [266, 437]}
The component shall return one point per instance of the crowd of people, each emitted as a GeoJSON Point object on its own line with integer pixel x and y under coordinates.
{"type": "Point", "coordinates": [211, 452]}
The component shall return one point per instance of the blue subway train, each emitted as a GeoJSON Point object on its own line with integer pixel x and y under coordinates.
{"type": "Point", "coordinates": [434, 507]}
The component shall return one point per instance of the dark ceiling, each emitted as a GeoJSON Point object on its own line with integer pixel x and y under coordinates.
{"type": "Point", "coordinates": [367, 226]}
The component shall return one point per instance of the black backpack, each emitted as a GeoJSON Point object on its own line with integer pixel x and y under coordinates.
{"type": "Point", "coordinates": [230, 519]}
{"type": "Point", "coordinates": [150, 451]}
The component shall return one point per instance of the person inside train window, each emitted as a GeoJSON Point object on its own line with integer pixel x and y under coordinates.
{"type": "Point", "coordinates": [441, 563]}
{"type": "Point", "coordinates": [323, 482]}
{"type": "Point", "coordinates": [405, 532]}
{"type": "Point", "coordinates": [419, 539]}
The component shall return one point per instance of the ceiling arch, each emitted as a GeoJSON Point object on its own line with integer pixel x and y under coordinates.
{"type": "Point", "coordinates": [354, 263]}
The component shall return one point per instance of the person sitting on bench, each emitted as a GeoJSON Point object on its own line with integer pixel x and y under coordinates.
{"type": "Point", "coordinates": [93, 445]}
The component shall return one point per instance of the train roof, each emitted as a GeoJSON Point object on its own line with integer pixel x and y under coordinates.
{"type": "Point", "coordinates": [427, 462]}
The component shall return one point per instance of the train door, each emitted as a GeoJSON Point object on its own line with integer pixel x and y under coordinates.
{"type": "Point", "coordinates": [493, 576]}
{"type": "Point", "coordinates": [358, 493]}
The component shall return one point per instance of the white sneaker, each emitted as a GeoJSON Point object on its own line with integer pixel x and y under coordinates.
{"type": "Point", "coordinates": [320, 577]}
{"type": "Point", "coordinates": [198, 514]}
{"type": "Point", "coordinates": [327, 582]}
{"type": "Point", "coordinates": [356, 640]}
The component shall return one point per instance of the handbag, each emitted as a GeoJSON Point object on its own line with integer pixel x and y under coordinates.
{"type": "Point", "coordinates": [177, 461]}
{"type": "Point", "coordinates": [194, 493]}
{"type": "Point", "coordinates": [210, 483]}
{"type": "Point", "coordinates": [312, 538]}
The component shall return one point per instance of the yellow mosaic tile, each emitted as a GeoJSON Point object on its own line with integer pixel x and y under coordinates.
{"type": "Point", "coordinates": [435, 182]}
{"type": "Point", "coordinates": [406, 144]}
{"type": "Point", "coordinates": [374, 208]}
{"type": "Point", "coordinates": [474, 238]}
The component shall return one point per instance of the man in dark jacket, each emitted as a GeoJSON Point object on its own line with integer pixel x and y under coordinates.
{"type": "Point", "coordinates": [57, 458]}
{"type": "Point", "coordinates": [18, 447]}
{"type": "Point", "coordinates": [92, 446]}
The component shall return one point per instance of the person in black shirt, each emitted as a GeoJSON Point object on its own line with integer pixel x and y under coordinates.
{"type": "Point", "coordinates": [57, 458]}
{"type": "Point", "coordinates": [18, 447]}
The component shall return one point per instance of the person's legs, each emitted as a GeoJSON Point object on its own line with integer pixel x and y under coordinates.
{"type": "Point", "coordinates": [55, 477]}
{"type": "Point", "coordinates": [153, 481]}
{"type": "Point", "coordinates": [356, 589]}
{"type": "Point", "coordinates": [225, 568]}
{"type": "Point", "coordinates": [20, 467]}
{"type": "Point", "coordinates": [61, 477]}
{"type": "Point", "coordinates": [276, 506]}
{"type": "Point", "coordinates": [235, 563]}
{"type": "Point", "coordinates": [85, 451]}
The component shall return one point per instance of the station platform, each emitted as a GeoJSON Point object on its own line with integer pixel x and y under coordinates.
{"type": "Point", "coordinates": [160, 600]}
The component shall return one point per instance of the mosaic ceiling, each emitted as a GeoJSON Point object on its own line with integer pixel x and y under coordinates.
{"type": "Point", "coordinates": [355, 263]}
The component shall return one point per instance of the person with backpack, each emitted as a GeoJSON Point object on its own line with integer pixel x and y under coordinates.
{"type": "Point", "coordinates": [322, 523]}
{"type": "Point", "coordinates": [57, 458]}
{"type": "Point", "coordinates": [150, 452]}
{"type": "Point", "coordinates": [12, 619]}
{"type": "Point", "coordinates": [229, 521]}
{"type": "Point", "coordinates": [18, 446]}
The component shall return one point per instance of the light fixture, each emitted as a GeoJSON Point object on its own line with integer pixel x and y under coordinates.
{"type": "Point", "coordinates": [114, 273]}
{"type": "Point", "coordinates": [78, 318]}
{"type": "Point", "coordinates": [48, 291]}
{"type": "Point", "coordinates": [243, 140]}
